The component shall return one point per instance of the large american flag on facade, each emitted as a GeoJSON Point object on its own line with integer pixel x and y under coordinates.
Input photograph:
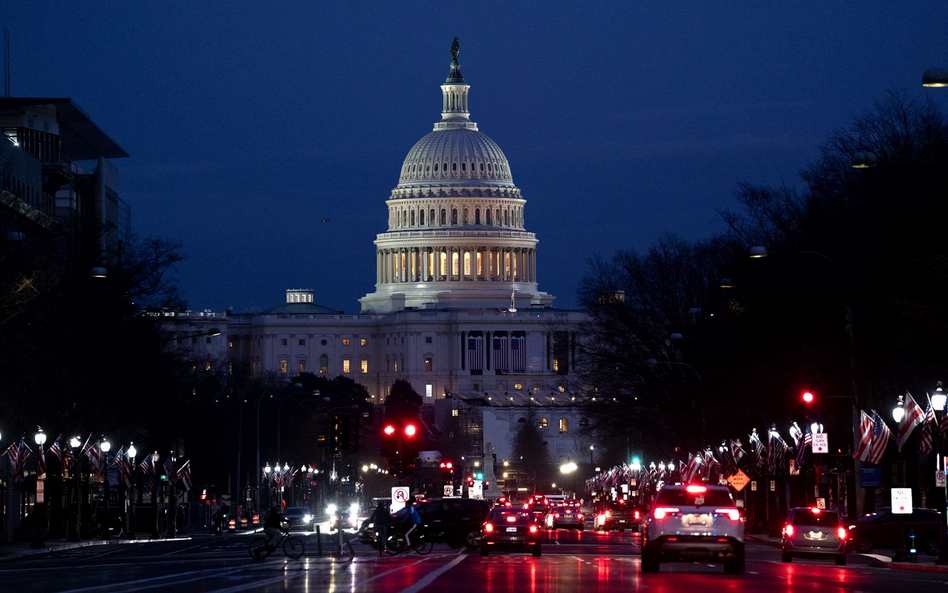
{"type": "Point", "coordinates": [518, 353]}
{"type": "Point", "coordinates": [914, 415]}
{"type": "Point", "coordinates": [880, 438]}
{"type": "Point", "coordinates": [475, 353]}
{"type": "Point", "coordinates": [500, 348]}
{"type": "Point", "coordinates": [865, 437]}
{"type": "Point", "coordinates": [56, 451]}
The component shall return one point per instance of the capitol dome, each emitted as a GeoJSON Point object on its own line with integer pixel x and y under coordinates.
{"type": "Point", "coordinates": [456, 236]}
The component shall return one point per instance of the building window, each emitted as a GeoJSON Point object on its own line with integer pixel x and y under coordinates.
{"type": "Point", "coordinates": [230, 368]}
{"type": "Point", "coordinates": [429, 390]}
{"type": "Point", "coordinates": [302, 366]}
{"type": "Point", "coordinates": [454, 264]}
{"type": "Point", "coordinates": [365, 366]}
{"type": "Point", "coordinates": [282, 341]}
{"type": "Point", "coordinates": [427, 339]}
{"type": "Point", "coordinates": [345, 366]}
{"type": "Point", "coordinates": [543, 423]}
{"type": "Point", "coordinates": [487, 216]}
{"type": "Point", "coordinates": [283, 364]}
{"type": "Point", "coordinates": [396, 364]}
{"type": "Point", "coordinates": [454, 216]}
{"type": "Point", "coordinates": [467, 263]}
{"type": "Point", "coordinates": [522, 421]}
{"type": "Point", "coordinates": [477, 216]}
{"type": "Point", "coordinates": [428, 365]}
{"type": "Point", "coordinates": [345, 341]}
{"type": "Point", "coordinates": [454, 413]}
{"type": "Point", "coordinates": [564, 425]}
{"type": "Point", "coordinates": [363, 342]}
{"type": "Point", "coordinates": [584, 422]}
{"type": "Point", "coordinates": [444, 217]}
{"type": "Point", "coordinates": [477, 386]}
{"type": "Point", "coordinates": [323, 363]}
{"type": "Point", "coordinates": [561, 388]}
{"type": "Point", "coordinates": [302, 341]}
{"type": "Point", "coordinates": [536, 387]}
{"type": "Point", "coordinates": [230, 343]}
{"type": "Point", "coordinates": [518, 386]}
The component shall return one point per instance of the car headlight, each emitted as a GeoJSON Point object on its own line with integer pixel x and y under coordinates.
{"type": "Point", "coordinates": [307, 518]}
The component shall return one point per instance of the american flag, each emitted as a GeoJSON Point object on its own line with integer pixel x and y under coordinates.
{"type": "Point", "coordinates": [23, 454]}
{"type": "Point", "coordinates": [169, 469]}
{"type": "Point", "coordinates": [14, 452]}
{"type": "Point", "coordinates": [56, 451]}
{"type": "Point", "coordinates": [727, 459]}
{"type": "Point", "coordinates": [148, 468]}
{"type": "Point", "coordinates": [475, 353]}
{"type": "Point", "coordinates": [737, 451]}
{"type": "Point", "coordinates": [712, 462]}
{"type": "Point", "coordinates": [925, 442]}
{"type": "Point", "coordinates": [776, 451]}
{"type": "Point", "coordinates": [865, 437]}
{"type": "Point", "coordinates": [185, 474]}
{"type": "Point", "coordinates": [758, 448]}
{"type": "Point", "coordinates": [801, 450]}
{"type": "Point", "coordinates": [95, 457]}
{"type": "Point", "coordinates": [944, 426]}
{"type": "Point", "coordinates": [880, 438]}
{"type": "Point", "coordinates": [795, 434]}
{"type": "Point", "coordinates": [500, 353]}
{"type": "Point", "coordinates": [121, 464]}
{"type": "Point", "coordinates": [40, 461]}
{"type": "Point", "coordinates": [518, 353]}
{"type": "Point", "coordinates": [913, 417]}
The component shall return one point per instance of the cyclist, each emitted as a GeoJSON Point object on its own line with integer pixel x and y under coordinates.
{"type": "Point", "coordinates": [412, 518]}
{"type": "Point", "coordinates": [273, 526]}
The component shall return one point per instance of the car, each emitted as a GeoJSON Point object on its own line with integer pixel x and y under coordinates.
{"type": "Point", "coordinates": [456, 521]}
{"type": "Point", "coordinates": [510, 529]}
{"type": "Point", "coordinates": [617, 515]}
{"type": "Point", "coordinates": [564, 515]}
{"type": "Point", "coordinates": [299, 518]}
{"type": "Point", "coordinates": [814, 532]}
{"type": "Point", "coordinates": [538, 505]}
{"type": "Point", "coordinates": [694, 522]}
{"type": "Point", "coordinates": [884, 529]}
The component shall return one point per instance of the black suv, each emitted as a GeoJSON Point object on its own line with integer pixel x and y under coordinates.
{"type": "Point", "coordinates": [456, 521]}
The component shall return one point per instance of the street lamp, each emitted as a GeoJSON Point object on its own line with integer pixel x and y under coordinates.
{"type": "Point", "coordinates": [40, 439]}
{"type": "Point", "coordinates": [939, 399]}
{"type": "Point", "coordinates": [131, 453]}
{"type": "Point", "coordinates": [898, 412]}
{"type": "Point", "coordinates": [106, 446]}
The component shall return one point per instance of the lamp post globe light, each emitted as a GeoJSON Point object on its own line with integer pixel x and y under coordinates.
{"type": "Point", "coordinates": [898, 412]}
{"type": "Point", "coordinates": [106, 446]}
{"type": "Point", "coordinates": [130, 492]}
{"type": "Point", "coordinates": [939, 399]}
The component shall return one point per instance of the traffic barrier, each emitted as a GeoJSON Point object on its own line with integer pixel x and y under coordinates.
{"type": "Point", "coordinates": [256, 520]}
{"type": "Point", "coordinates": [232, 525]}
{"type": "Point", "coordinates": [243, 522]}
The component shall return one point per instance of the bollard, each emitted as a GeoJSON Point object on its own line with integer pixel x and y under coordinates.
{"type": "Point", "coordinates": [319, 542]}
{"type": "Point", "coordinates": [913, 551]}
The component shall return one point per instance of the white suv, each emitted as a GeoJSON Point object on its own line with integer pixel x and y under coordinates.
{"type": "Point", "coordinates": [694, 522]}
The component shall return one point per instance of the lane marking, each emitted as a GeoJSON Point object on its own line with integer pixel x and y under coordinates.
{"type": "Point", "coordinates": [418, 586]}
{"type": "Point", "coordinates": [181, 550]}
{"type": "Point", "coordinates": [102, 554]}
{"type": "Point", "coordinates": [122, 586]}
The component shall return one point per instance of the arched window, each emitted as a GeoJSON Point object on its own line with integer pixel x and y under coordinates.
{"type": "Point", "coordinates": [412, 218]}
{"type": "Point", "coordinates": [482, 166]}
{"type": "Point", "coordinates": [454, 263]}
{"type": "Point", "coordinates": [467, 263]}
{"type": "Point", "coordinates": [444, 217]}
{"type": "Point", "coordinates": [431, 217]}
{"type": "Point", "coordinates": [454, 167]}
{"type": "Point", "coordinates": [543, 423]}
{"type": "Point", "coordinates": [506, 218]}
{"type": "Point", "coordinates": [467, 216]}
{"type": "Point", "coordinates": [564, 425]}
{"type": "Point", "coordinates": [454, 216]}
{"type": "Point", "coordinates": [477, 216]}
{"type": "Point", "coordinates": [583, 422]}
{"type": "Point", "coordinates": [436, 166]}
{"type": "Point", "coordinates": [522, 421]}
{"type": "Point", "coordinates": [487, 216]}
{"type": "Point", "coordinates": [497, 216]}
{"type": "Point", "coordinates": [323, 363]}
{"type": "Point", "coordinates": [421, 217]}
{"type": "Point", "coordinates": [464, 166]}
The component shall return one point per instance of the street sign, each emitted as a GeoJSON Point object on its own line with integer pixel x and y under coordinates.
{"type": "Point", "coordinates": [773, 485]}
{"type": "Point", "coordinates": [448, 490]}
{"type": "Point", "coordinates": [870, 477]}
{"type": "Point", "coordinates": [821, 503]}
{"type": "Point", "coordinates": [739, 480]}
{"type": "Point", "coordinates": [754, 486]}
{"type": "Point", "coordinates": [477, 490]}
{"type": "Point", "coordinates": [399, 496]}
{"type": "Point", "coordinates": [901, 501]}
{"type": "Point", "coordinates": [940, 478]}
{"type": "Point", "coordinates": [821, 442]}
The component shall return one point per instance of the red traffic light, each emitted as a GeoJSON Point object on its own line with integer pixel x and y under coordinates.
{"type": "Point", "coordinates": [808, 397]}
{"type": "Point", "coordinates": [410, 430]}
{"type": "Point", "coordinates": [389, 430]}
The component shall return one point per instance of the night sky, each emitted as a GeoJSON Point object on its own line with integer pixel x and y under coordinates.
{"type": "Point", "coordinates": [250, 122]}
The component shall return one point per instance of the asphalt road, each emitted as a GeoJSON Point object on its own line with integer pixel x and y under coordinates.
{"type": "Point", "coordinates": [571, 561]}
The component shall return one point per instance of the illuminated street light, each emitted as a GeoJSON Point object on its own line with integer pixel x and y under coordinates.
{"type": "Point", "coordinates": [106, 446]}
{"type": "Point", "coordinates": [40, 437]}
{"type": "Point", "coordinates": [939, 399]}
{"type": "Point", "coordinates": [568, 468]}
{"type": "Point", "coordinates": [75, 442]}
{"type": "Point", "coordinates": [898, 412]}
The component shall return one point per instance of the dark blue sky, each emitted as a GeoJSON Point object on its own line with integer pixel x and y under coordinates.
{"type": "Point", "coordinates": [250, 122]}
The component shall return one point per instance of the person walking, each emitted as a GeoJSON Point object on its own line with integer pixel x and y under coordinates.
{"type": "Point", "coordinates": [381, 519]}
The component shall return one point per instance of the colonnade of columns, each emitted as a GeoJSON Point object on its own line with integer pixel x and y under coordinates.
{"type": "Point", "coordinates": [445, 264]}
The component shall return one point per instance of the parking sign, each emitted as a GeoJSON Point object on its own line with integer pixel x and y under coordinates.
{"type": "Point", "coordinates": [821, 443]}
{"type": "Point", "coordinates": [901, 501]}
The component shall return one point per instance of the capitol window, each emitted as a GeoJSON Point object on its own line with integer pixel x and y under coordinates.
{"type": "Point", "coordinates": [345, 341]}
{"type": "Point", "coordinates": [444, 262]}
{"type": "Point", "coordinates": [365, 366]}
{"type": "Point", "coordinates": [412, 218]}
{"type": "Point", "coordinates": [454, 166]}
{"type": "Point", "coordinates": [436, 166]}
{"type": "Point", "coordinates": [482, 166]}
{"type": "Point", "coordinates": [543, 423]}
{"type": "Point", "coordinates": [421, 217]}
{"type": "Point", "coordinates": [323, 364]}
{"type": "Point", "coordinates": [473, 168]}
{"type": "Point", "coordinates": [477, 216]}
{"type": "Point", "coordinates": [467, 216]}
{"type": "Point", "coordinates": [302, 365]}
{"type": "Point", "coordinates": [444, 217]}
{"type": "Point", "coordinates": [345, 366]}
{"type": "Point", "coordinates": [463, 166]}
{"type": "Point", "coordinates": [431, 217]}
{"type": "Point", "coordinates": [429, 363]}
{"type": "Point", "coordinates": [363, 341]}
{"type": "Point", "coordinates": [564, 425]}
{"type": "Point", "coordinates": [518, 386]}
{"type": "Point", "coordinates": [467, 263]}
{"type": "Point", "coordinates": [454, 264]}
{"type": "Point", "coordinates": [283, 365]}
{"type": "Point", "coordinates": [454, 216]}
{"type": "Point", "coordinates": [487, 216]}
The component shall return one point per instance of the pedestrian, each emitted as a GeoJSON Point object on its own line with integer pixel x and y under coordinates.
{"type": "Point", "coordinates": [381, 519]}
{"type": "Point", "coordinates": [217, 521]}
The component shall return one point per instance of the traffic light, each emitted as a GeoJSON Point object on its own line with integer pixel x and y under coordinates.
{"type": "Point", "coordinates": [389, 441]}
{"type": "Point", "coordinates": [808, 397]}
{"type": "Point", "coordinates": [410, 444]}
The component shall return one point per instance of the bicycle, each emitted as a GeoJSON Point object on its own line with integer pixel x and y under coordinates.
{"type": "Point", "coordinates": [420, 544]}
{"type": "Point", "coordinates": [292, 546]}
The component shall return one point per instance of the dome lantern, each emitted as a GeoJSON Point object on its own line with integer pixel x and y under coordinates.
{"type": "Point", "coordinates": [454, 91]}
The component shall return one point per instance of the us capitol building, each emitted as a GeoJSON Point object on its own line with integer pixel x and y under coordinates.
{"type": "Point", "coordinates": [456, 308]}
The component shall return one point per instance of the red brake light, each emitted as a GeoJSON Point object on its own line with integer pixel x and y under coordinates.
{"type": "Point", "coordinates": [788, 530]}
{"type": "Point", "coordinates": [842, 533]}
{"type": "Point", "coordinates": [507, 504]}
{"type": "Point", "coordinates": [815, 510]}
{"type": "Point", "coordinates": [661, 512]}
{"type": "Point", "coordinates": [556, 515]}
{"type": "Point", "coordinates": [533, 529]}
{"type": "Point", "coordinates": [511, 519]}
{"type": "Point", "coordinates": [488, 527]}
{"type": "Point", "coordinates": [449, 465]}
{"type": "Point", "coordinates": [410, 430]}
{"type": "Point", "coordinates": [389, 430]}
{"type": "Point", "coordinates": [637, 515]}
{"type": "Point", "coordinates": [579, 515]}
{"type": "Point", "coordinates": [733, 514]}
{"type": "Point", "coordinates": [694, 489]}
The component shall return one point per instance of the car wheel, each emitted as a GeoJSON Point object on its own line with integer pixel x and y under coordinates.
{"type": "Point", "coordinates": [537, 550]}
{"type": "Point", "coordinates": [735, 565]}
{"type": "Point", "coordinates": [471, 540]}
{"type": "Point", "coordinates": [841, 560]}
{"type": "Point", "coordinates": [485, 551]}
{"type": "Point", "coordinates": [786, 557]}
{"type": "Point", "coordinates": [863, 545]}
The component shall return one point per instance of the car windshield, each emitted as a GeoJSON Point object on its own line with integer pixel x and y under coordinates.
{"type": "Point", "coordinates": [678, 497]}
{"type": "Point", "coordinates": [808, 517]}
{"type": "Point", "coordinates": [297, 511]}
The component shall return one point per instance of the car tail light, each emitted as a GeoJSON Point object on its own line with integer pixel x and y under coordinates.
{"type": "Point", "coordinates": [608, 513]}
{"type": "Point", "coordinates": [637, 515]}
{"type": "Point", "coordinates": [788, 530]}
{"type": "Point", "coordinates": [533, 529]}
{"type": "Point", "coordinates": [488, 527]}
{"type": "Point", "coordinates": [556, 515]}
{"type": "Point", "coordinates": [695, 489]}
{"type": "Point", "coordinates": [733, 514]}
{"type": "Point", "coordinates": [507, 504]}
{"type": "Point", "coordinates": [842, 533]}
{"type": "Point", "coordinates": [511, 519]}
{"type": "Point", "coordinates": [525, 506]}
{"type": "Point", "coordinates": [816, 511]}
{"type": "Point", "coordinates": [579, 515]}
{"type": "Point", "coordinates": [660, 512]}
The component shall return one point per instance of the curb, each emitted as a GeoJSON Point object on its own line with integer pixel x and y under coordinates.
{"type": "Point", "coordinates": [74, 545]}
{"type": "Point", "coordinates": [915, 567]}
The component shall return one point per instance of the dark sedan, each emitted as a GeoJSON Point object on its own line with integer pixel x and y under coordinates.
{"type": "Point", "coordinates": [510, 529]}
{"type": "Point", "coordinates": [884, 529]}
